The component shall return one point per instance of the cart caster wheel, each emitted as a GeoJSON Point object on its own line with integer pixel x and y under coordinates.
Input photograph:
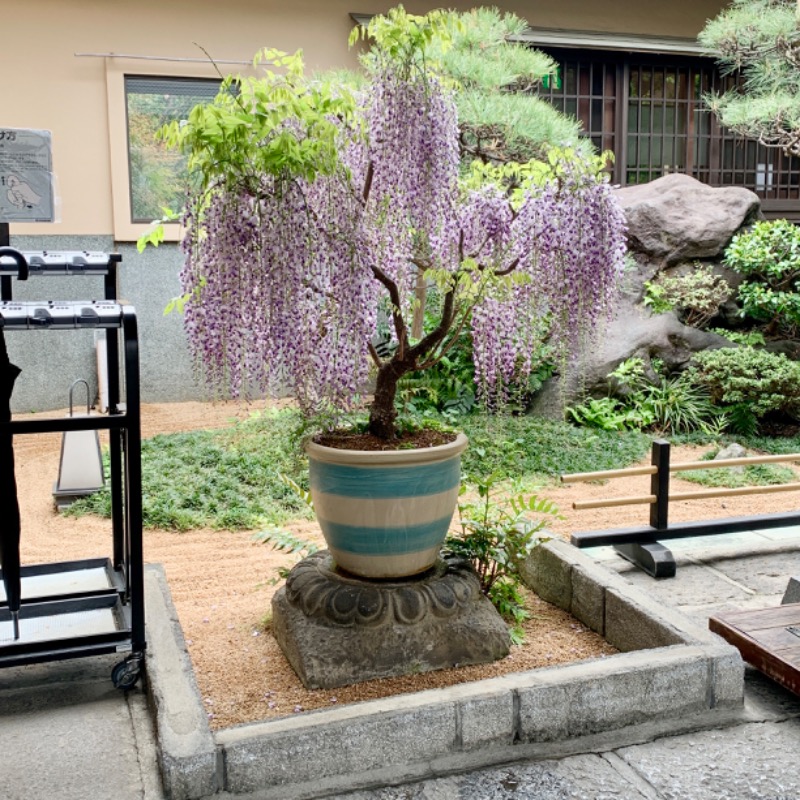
{"type": "Point", "coordinates": [125, 674]}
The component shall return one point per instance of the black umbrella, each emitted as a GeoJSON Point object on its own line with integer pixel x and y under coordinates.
{"type": "Point", "coordinates": [10, 525]}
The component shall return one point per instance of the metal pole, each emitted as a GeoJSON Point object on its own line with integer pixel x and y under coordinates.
{"type": "Point", "coordinates": [5, 280]}
{"type": "Point", "coordinates": [659, 485]}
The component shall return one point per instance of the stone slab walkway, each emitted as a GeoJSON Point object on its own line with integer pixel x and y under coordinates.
{"type": "Point", "coordinates": [67, 734]}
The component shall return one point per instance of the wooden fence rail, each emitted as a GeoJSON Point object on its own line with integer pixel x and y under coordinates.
{"type": "Point", "coordinates": [640, 545]}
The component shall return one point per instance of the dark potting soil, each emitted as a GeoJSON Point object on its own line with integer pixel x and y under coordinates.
{"type": "Point", "coordinates": [406, 440]}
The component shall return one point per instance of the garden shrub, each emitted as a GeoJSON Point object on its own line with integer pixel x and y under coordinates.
{"type": "Point", "coordinates": [757, 380]}
{"type": "Point", "coordinates": [769, 257]}
{"type": "Point", "coordinates": [665, 404]}
{"type": "Point", "coordinates": [697, 295]}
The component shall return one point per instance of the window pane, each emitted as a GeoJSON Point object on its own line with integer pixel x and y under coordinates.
{"type": "Point", "coordinates": [158, 174]}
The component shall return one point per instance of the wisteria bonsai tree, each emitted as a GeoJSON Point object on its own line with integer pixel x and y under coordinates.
{"type": "Point", "coordinates": [318, 213]}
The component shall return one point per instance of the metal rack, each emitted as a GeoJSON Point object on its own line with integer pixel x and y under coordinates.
{"type": "Point", "coordinates": [92, 606]}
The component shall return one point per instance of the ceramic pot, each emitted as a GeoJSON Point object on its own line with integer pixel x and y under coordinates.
{"type": "Point", "coordinates": [385, 514]}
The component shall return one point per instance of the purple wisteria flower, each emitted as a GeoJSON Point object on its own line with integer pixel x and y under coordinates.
{"type": "Point", "coordinates": [285, 273]}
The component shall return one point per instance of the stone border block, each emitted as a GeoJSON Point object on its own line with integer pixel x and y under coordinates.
{"type": "Point", "coordinates": [588, 602]}
{"type": "Point", "coordinates": [675, 674]}
{"type": "Point", "coordinates": [351, 740]}
{"type": "Point", "coordinates": [726, 677]}
{"type": "Point", "coordinates": [487, 717]}
{"type": "Point", "coordinates": [549, 570]}
{"type": "Point", "coordinates": [187, 752]}
{"type": "Point", "coordinates": [584, 699]}
{"type": "Point", "coordinates": [628, 627]}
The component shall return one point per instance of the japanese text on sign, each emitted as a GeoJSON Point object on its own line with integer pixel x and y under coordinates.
{"type": "Point", "coordinates": [26, 176]}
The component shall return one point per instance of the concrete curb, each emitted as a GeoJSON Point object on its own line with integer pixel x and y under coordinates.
{"type": "Point", "coordinates": [672, 674]}
{"type": "Point", "coordinates": [187, 754]}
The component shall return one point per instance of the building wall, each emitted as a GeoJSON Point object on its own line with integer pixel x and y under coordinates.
{"type": "Point", "coordinates": [45, 84]}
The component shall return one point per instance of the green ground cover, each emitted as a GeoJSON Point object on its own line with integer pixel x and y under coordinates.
{"type": "Point", "coordinates": [235, 478]}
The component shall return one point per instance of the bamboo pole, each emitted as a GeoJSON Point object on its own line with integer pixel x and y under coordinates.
{"type": "Point", "coordinates": [581, 505]}
{"type": "Point", "coordinates": [733, 462]}
{"type": "Point", "coordinates": [636, 500]}
{"type": "Point", "coordinates": [578, 477]}
{"type": "Point", "coordinates": [782, 487]}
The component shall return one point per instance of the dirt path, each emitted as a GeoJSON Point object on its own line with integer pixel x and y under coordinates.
{"type": "Point", "coordinates": [222, 581]}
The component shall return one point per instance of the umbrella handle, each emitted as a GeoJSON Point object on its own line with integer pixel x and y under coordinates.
{"type": "Point", "coordinates": [19, 258]}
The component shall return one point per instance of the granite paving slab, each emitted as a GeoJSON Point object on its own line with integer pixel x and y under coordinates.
{"type": "Point", "coordinates": [762, 574]}
{"type": "Point", "coordinates": [565, 779]}
{"type": "Point", "coordinates": [747, 762]}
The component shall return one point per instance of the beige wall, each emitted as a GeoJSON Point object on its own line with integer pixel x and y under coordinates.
{"type": "Point", "coordinates": [44, 85]}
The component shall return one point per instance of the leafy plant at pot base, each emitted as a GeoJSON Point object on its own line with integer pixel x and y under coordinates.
{"type": "Point", "coordinates": [497, 536]}
{"type": "Point", "coordinates": [315, 202]}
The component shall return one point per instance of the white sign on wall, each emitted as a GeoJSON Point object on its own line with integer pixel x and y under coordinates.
{"type": "Point", "coordinates": [26, 176]}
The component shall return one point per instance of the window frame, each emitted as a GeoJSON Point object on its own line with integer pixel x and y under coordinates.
{"type": "Point", "coordinates": [617, 136]}
{"type": "Point", "coordinates": [125, 230]}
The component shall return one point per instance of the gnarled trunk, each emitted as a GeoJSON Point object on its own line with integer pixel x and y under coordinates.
{"type": "Point", "coordinates": [382, 413]}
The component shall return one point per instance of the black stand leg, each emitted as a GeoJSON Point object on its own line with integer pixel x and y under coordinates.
{"type": "Point", "coordinates": [654, 558]}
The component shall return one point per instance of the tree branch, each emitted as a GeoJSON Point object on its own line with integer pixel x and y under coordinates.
{"type": "Point", "coordinates": [374, 355]}
{"type": "Point", "coordinates": [397, 316]}
{"type": "Point", "coordinates": [368, 182]}
{"type": "Point", "coordinates": [509, 269]}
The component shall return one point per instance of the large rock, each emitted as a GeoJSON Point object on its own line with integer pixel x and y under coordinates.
{"type": "Point", "coordinates": [673, 222]}
{"type": "Point", "coordinates": [634, 332]}
{"type": "Point", "coordinates": [676, 218]}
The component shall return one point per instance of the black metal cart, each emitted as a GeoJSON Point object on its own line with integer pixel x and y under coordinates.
{"type": "Point", "coordinates": [92, 606]}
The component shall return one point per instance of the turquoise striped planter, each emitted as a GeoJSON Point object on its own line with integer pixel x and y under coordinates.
{"type": "Point", "coordinates": [385, 514]}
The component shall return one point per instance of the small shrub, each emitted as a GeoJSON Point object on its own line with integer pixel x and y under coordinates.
{"type": "Point", "coordinates": [609, 414]}
{"type": "Point", "coordinates": [757, 380]}
{"type": "Point", "coordinates": [697, 295]}
{"type": "Point", "coordinates": [769, 256]}
{"type": "Point", "coordinates": [497, 537]}
{"type": "Point", "coordinates": [746, 338]}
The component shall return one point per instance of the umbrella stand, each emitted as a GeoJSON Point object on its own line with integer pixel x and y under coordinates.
{"type": "Point", "coordinates": [10, 531]}
{"type": "Point", "coordinates": [72, 609]}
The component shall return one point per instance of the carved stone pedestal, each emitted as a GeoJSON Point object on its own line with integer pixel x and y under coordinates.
{"type": "Point", "coordinates": [336, 629]}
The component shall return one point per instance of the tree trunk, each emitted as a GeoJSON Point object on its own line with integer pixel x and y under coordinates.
{"type": "Point", "coordinates": [382, 413]}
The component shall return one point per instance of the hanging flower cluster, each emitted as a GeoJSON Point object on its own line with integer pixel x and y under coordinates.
{"type": "Point", "coordinates": [284, 273]}
{"type": "Point", "coordinates": [568, 241]}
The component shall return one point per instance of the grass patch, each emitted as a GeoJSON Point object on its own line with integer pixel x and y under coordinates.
{"type": "Point", "coordinates": [753, 475]}
{"type": "Point", "coordinates": [730, 478]}
{"type": "Point", "coordinates": [226, 479]}
{"type": "Point", "coordinates": [525, 446]}
{"type": "Point", "coordinates": [231, 479]}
